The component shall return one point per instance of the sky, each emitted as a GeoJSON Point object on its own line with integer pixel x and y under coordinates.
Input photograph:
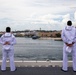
{"type": "Point", "coordinates": [36, 14]}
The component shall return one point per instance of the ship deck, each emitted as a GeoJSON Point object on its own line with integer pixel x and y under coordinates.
{"type": "Point", "coordinates": [38, 68]}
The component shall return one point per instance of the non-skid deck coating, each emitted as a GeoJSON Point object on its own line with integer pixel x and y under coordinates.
{"type": "Point", "coordinates": [38, 71]}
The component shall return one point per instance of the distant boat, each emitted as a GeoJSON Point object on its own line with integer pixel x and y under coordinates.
{"type": "Point", "coordinates": [35, 37]}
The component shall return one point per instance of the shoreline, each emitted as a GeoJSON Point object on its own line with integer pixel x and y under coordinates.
{"type": "Point", "coordinates": [55, 39]}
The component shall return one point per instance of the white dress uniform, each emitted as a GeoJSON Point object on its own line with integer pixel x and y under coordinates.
{"type": "Point", "coordinates": [8, 50]}
{"type": "Point", "coordinates": [68, 35]}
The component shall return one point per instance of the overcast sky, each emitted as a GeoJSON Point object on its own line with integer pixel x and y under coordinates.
{"type": "Point", "coordinates": [36, 14]}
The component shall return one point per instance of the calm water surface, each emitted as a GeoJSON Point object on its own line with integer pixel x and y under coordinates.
{"type": "Point", "coordinates": [29, 49]}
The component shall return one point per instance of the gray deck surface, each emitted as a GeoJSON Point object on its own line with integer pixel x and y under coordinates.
{"type": "Point", "coordinates": [38, 71]}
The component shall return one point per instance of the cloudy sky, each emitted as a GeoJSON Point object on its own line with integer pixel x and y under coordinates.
{"type": "Point", "coordinates": [36, 14]}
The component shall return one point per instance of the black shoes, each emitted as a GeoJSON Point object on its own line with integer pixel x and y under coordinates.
{"type": "Point", "coordinates": [74, 71]}
{"type": "Point", "coordinates": [63, 70]}
{"type": "Point", "coordinates": [66, 70]}
{"type": "Point", "coordinates": [11, 71]}
{"type": "Point", "coordinates": [3, 70]}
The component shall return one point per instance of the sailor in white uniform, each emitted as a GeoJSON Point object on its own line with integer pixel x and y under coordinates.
{"type": "Point", "coordinates": [8, 40]}
{"type": "Point", "coordinates": [68, 36]}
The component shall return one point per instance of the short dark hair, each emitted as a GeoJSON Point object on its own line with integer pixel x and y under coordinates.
{"type": "Point", "coordinates": [8, 29]}
{"type": "Point", "coordinates": [69, 23]}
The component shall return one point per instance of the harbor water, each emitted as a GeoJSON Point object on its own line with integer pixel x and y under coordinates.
{"type": "Point", "coordinates": [39, 49]}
